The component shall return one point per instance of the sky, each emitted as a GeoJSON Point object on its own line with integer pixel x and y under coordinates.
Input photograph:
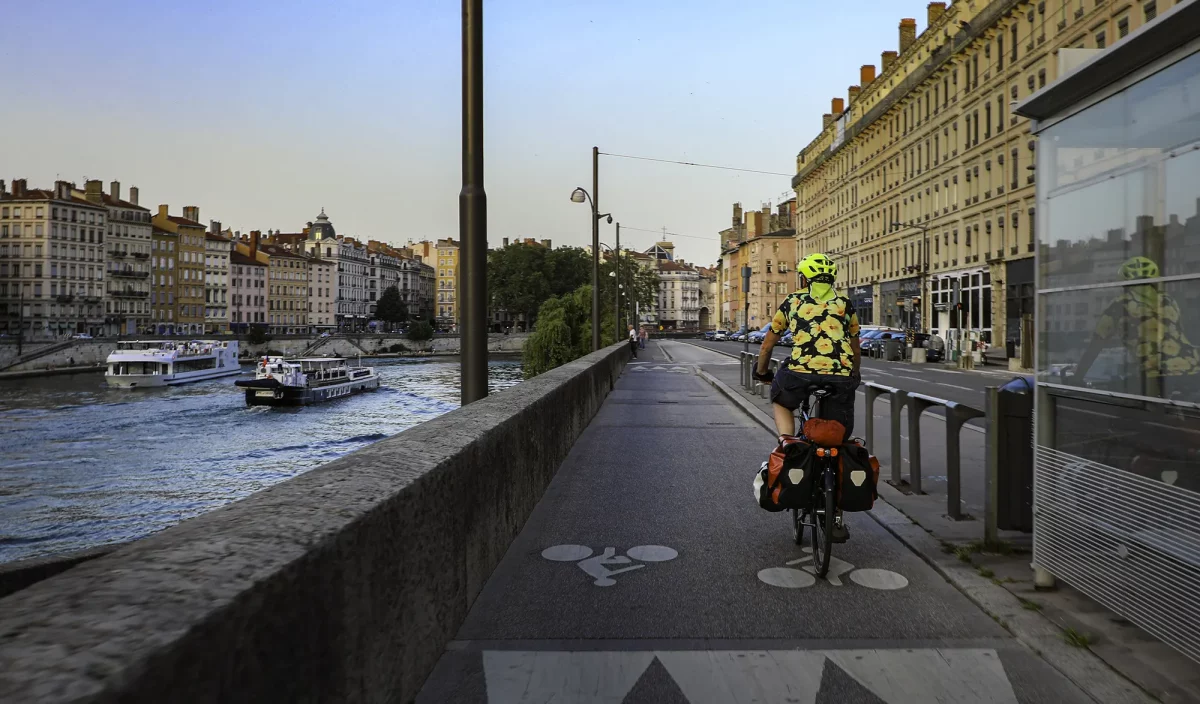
{"type": "Point", "coordinates": [262, 113]}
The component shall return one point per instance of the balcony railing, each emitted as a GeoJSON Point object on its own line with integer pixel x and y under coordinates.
{"type": "Point", "coordinates": [64, 298]}
{"type": "Point", "coordinates": [141, 255]}
{"type": "Point", "coordinates": [117, 253]}
{"type": "Point", "coordinates": [128, 293]}
{"type": "Point", "coordinates": [129, 273]}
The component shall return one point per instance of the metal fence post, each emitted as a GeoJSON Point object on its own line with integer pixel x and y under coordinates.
{"type": "Point", "coordinates": [991, 497]}
{"type": "Point", "coordinates": [956, 415]}
{"type": "Point", "coordinates": [917, 403]}
{"type": "Point", "coordinates": [898, 398]}
{"type": "Point", "coordinates": [753, 387]}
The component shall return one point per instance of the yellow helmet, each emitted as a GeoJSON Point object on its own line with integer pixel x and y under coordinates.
{"type": "Point", "coordinates": [1139, 268]}
{"type": "Point", "coordinates": [819, 268]}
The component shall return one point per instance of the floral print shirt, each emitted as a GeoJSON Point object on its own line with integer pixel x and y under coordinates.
{"type": "Point", "coordinates": [822, 332]}
{"type": "Point", "coordinates": [1148, 324]}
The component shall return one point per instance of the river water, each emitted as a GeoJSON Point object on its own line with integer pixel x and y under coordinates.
{"type": "Point", "coordinates": [82, 465]}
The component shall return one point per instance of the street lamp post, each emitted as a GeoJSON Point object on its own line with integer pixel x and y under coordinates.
{"type": "Point", "coordinates": [580, 195]}
{"type": "Point", "coordinates": [924, 260]}
{"type": "Point", "coordinates": [616, 289]}
{"type": "Point", "coordinates": [472, 211]}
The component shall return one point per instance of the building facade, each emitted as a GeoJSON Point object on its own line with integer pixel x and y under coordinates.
{"type": "Point", "coordinates": [189, 267]}
{"type": "Point", "coordinates": [217, 250]}
{"type": "Point", "coordinates": [51, 262]}
{"type": "Point", "coordinates": [322, 296]}
{"type": "Point", "coordinates": [708, 297]}
{"type": "Point", "coordinates": [920, 182]}
{"type": "Point", "coordinates": [352, 261]}
{"type": "Point", "coordinates": [288, 274]}
{"type": "Point", "coordinates": [247, 292]}
{"type": "Point", "coordinates": [383, 273]}
{"type": "Point", "coordinates": [126, 258]}
{"type": "Point", "coordinates": [764, 241]}
{"type": "Point", "coordinates": [678, 296]}
{"type": "Point", "coordinates": [164, 251]}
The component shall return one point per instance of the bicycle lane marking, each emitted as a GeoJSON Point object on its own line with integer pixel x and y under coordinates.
{"type": "Point", "coordinates": [793, 578]}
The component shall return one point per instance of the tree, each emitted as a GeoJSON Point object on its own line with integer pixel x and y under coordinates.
{"type": "Point", "coordinates": [522, 277]}
{"type": "Point", "coordinates": [641, 281]}
{"type": "Point", "coordinates": [257, 335]}
{"type": "Point", "coordinates": [390, 308]}
{"type": "Point", "coordinates": [420, 331]}
{"type": "Point", "coordinates": [563, 332]}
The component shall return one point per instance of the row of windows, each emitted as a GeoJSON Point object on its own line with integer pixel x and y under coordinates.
{"type": "Point", "coordinates": [74, 234]}
{"type": "Point", "coordinates": [36, 212]}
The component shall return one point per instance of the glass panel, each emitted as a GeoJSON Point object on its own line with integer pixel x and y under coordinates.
{"type": "Point", "coordinates": [1147, 439]}
{"type": "Point", "coordinates": [1136, 339]}
{"type": "Point", "coordinates": [1121, 180]}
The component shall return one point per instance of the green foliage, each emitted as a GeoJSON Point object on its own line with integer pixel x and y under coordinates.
{"type": "Point", "coordinates": [522, 277]}
{"type": "Point", "coordinates": [1076, 639]}
{"type": "Point", "coordinates": [643, 283]}
{"type": "Point", "coordinates": [257, 335]}
{"type": "Point", "coordinates": [390, 308]}
{"type": "Point", "coordinates": [420, 331]}
{"type": "Point", "coordinates": [563, 332]}
{"type": "Point", "coordinates": [398, 347]}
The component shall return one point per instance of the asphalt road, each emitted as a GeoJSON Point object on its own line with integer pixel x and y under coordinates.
{"type": "Point", "coordinates": [648, 573]}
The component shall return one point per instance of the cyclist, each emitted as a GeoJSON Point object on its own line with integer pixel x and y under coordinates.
{"type": "Point", "coordinates": [1147, 322]}
{"type": "Point", "coordinates": [825, 352]}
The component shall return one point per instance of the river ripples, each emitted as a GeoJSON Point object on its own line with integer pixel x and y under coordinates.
{"type": "Point", "coordinates": [83, 465]}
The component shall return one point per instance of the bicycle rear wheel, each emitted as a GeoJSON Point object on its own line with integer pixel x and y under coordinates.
{"type": "Point", "coordinates": [822, 530]}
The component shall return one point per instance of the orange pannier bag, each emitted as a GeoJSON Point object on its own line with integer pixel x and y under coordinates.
{"type": "Point", "coordinates": [785, 480]}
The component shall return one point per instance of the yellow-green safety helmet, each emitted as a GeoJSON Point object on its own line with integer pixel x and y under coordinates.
{"type": "Point", "coordinates": [819, 268]}
{"type": "Point", "coordinates": [1139, 268]}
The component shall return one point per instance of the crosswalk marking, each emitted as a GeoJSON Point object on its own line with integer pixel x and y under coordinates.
{"type": "Point", "coordinates": [895, 676]}
{"type": "Point", "coordinates": [660, 368]}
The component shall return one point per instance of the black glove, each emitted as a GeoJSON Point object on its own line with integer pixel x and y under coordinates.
{"type": "Point", "coordinates": [764, 378]}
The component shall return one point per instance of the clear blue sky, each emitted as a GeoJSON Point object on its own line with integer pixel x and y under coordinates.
{"type": "Point", "coordinates": [261, 113]}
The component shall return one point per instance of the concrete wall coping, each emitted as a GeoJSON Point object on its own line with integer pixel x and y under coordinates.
{"type": "Point", "coordinates": [342, 584]}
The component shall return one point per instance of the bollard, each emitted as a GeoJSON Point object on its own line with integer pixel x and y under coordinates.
{"type": "Point", "coordinates": [872, 392]}
{"type": "Point", "coordinates": [747, 370]}
{"type": "Point", "coordinates": [917, 403]}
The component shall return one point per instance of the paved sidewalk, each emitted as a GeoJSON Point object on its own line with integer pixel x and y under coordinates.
{"type": "Point", "coordinates": [648, 573]}
{"type": "Point", "coordinates": [1155, 667]}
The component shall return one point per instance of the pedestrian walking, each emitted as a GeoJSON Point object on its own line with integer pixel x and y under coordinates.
{"type": "Point", "coordinates": [642, 338]}
{"type": "Point", "coordinates": [633, 341]}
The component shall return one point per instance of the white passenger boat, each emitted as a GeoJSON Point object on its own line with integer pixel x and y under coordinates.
{"type": "Point", "coordinates": [138, 363]}
{"type": "Point", "coordinates": [299, 382]}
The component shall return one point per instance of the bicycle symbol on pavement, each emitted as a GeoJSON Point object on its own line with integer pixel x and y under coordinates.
{"type": "Point", "coordinates": [597, 566]}
{"type": "Point", "coordinates": [792, 578]}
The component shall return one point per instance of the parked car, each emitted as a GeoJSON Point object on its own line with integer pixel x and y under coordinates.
{"type": "Point", "coordinates": [720, 336]}
{"type": "Point", "coordinates": [738, 336]}
{"type": "Point", "coordinates": [758, 335]}
{"type": "Point", "coordinates": [787, 340]}
{"type": "Point", "coordinates": [875, 338]}
{"type": "Point", "coordinates": [710, 334]}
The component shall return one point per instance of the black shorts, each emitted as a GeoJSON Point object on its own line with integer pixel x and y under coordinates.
{"type": "Point", "coordinates": [791, 388]}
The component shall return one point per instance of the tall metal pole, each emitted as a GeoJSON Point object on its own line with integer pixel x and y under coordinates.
{"type": "Point", "coordinates": [472, 212]}
{"type": "Point", "coordinates": [595, 248]}
{"type": "Point", "coordinates": [617, 289]}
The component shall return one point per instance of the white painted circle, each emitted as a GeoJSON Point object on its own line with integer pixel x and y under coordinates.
{"type": "Point", "coordinates": [652, 553]}
{"type": "Point", "coordinates": [567, 553]}
{"type": "Point", "coordinates": [786, 577]}
{"type": "Point", "coordinates": [878, 579]}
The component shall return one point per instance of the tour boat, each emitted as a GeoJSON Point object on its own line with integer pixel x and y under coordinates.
{"type": "Point", "coordinates": [300, 382]}
{"type": "Point", "coordinates": [139, 363]}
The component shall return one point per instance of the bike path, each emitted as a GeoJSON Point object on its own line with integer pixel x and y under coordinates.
{"type": "Point", "coordinates": [647, 573]}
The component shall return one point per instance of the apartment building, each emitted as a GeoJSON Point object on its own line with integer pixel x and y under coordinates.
{"type": "Point", "coordinates": [189, 266]}
{"type": "Point", "coordinates": [217, 251]}
{"type": "Point", "coordinates": [51, 261]}
{"type": "Point", "coordinates": [126, 258]}
{"type": "Point", "coordinates": [322, 294]}
{"type": "Point", "coordinates": [247, 290]}
{"type": "Point", "coordinates": [678, 296]}
{"type": "Point", "coordinates": [164, 252]}
{"type": "Point", "coordinates": [353, 264]}
{"type": "Point", "coordinates": [921, 183]}
{"type": "Point", "coordinates": [763, 240]}
{"type": "Point", "coordinates": [445, 252]}
{"type": "Point", "coordinates": [288, 278]}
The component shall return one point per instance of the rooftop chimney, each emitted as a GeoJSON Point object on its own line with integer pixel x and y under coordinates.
{"type": "Point", "coordinates": [214, 226]}
{"type": "Point", "coordinates": [737, 214]}
{"type": "Point", "coordinates": [191, 212]}
{"type": "Point", "coordinates": [114, 189]}
{"type": "Point", "coordinates": [837, 106]}
{"type": "Point", "coordinates": [163, 211]}
{"type": "Point", "coordinates": [94, 190]}
{"type": "Point", "coordinates": [1, 186]}
{"type": "Point", "coordinates": [546, 244]}
{"type": "Point", "coordinates": [133, 194]}
{"type": "Point", "coordinates": [908, 33]}
{"type": "Point", "coordinates": [254, 236]}
{"type": "Point", "coordinates": [62, 189]}
{"type": "Point", "coordinates": [936, 10]}
{"type": "Point", "coordinates": [866, 75]}
{"type": "Point", "coordinates": [886, 60]}
{"type": "Point", "coordinates": [505, 241]}
{"type": "Point", "coordinates": [826, 120]}
{"type": "Point", "coordinates": [853, 92]}
{"type": "Point", "coordinates": [18, 189]}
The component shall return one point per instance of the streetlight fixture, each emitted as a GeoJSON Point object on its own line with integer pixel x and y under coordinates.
{"type": "Point", "coordinates": [580, 195]}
